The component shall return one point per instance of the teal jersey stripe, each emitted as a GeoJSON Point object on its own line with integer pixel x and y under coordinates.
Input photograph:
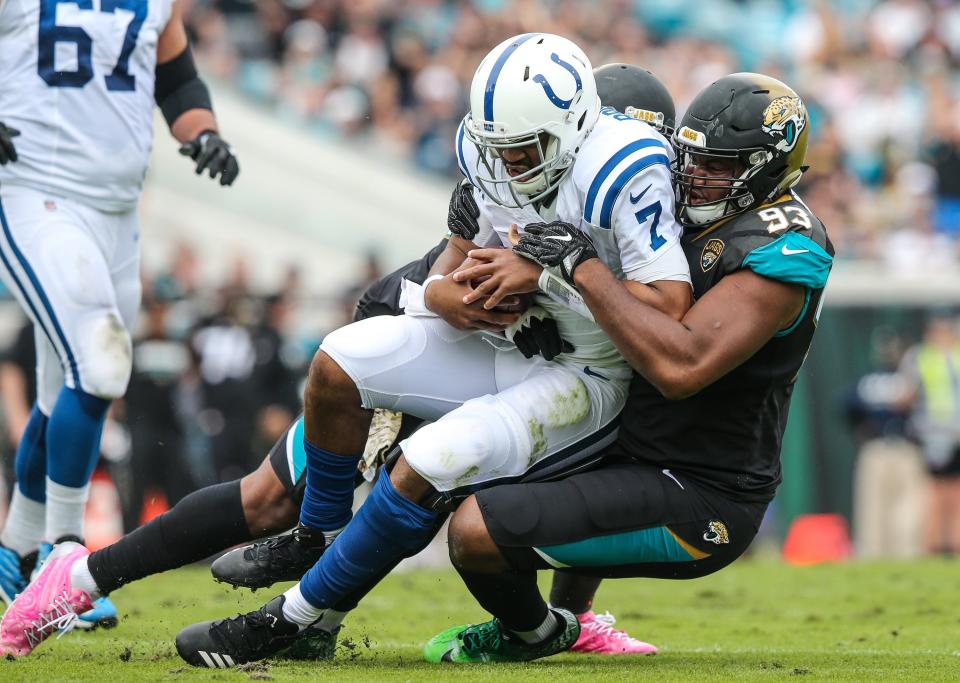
{"type": "Point", "coordinates": [629, 547]}
{"type": "Point", "coordinates": [803, 311]}
{"type": "Point", "coordinates": [296, 454]}
{"type": "Point", "coordinates": [792, 258]}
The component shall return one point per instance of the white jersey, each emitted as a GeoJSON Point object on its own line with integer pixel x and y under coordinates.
{"type": "Point", "coordinates": [77, 82]}
{"type": "Point", "coordinates": [619, 192]}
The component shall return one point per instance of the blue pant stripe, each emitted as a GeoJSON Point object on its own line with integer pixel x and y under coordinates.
{"type": "Point", "coordinates": [43, 298]}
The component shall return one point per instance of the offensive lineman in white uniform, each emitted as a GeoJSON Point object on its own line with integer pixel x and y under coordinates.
{"type": "Point", "coordinates": [541, 150]}
{"type": "Point", "coordinates": [80, 78]}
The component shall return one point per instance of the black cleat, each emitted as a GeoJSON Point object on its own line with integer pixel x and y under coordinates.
{"type": "Point", "coordinates": [286, 557]}
{"type": "Point", "coordinates": [313, 644]}
{"type": "Point", "coordinates": [244, 638]}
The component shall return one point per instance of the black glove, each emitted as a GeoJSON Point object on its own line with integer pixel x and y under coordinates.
{"type": "Point", "coordinates": [463, 212]}
{"type": "Point", "coordinates": [556, 244]}
{"type": "Point", "coordinates": [540, 335]}
{"type": "Point", "coordinates": [212, 153]}
{"type": "Point", "coordinates": [7, 151]}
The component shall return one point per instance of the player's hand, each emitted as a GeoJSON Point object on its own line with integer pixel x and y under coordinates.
{"type": "Point", "coordinates": [537, 333]}
{"type": "Point", "coordinates": [556, 245]}
{"type": "Point", "coordinates": [445, 298]}
{"type": "Point", "coordinates": [212, 153]}
{"type": "Point", "coordinates": [502, 272]}
{"type": "Point", "coordinates": [463, 213]}
{"type": "Point", "coordinates": [7, 151]}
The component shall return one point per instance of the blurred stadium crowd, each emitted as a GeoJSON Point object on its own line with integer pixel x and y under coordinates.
{"type": "Point", "coordinates": [876, 77]}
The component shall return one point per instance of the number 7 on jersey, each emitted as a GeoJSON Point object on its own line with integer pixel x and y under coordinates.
{"type": "Point", "coordinates": [655, 209]}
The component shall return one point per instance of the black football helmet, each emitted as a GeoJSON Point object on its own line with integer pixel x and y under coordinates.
{"type": "Point", "coordinates": [753, 119]}
{"type": "Point", "coordinates": [638, 93]}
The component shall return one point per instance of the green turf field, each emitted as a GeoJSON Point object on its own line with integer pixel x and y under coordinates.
{"type": "Point", "coordinates": [757, 620]}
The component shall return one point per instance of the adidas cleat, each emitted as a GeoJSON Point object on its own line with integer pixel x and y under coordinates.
{"type": "Point", "coordinates": [49, 604]}
{"type": "Point", "coordinates": [490, 642]}
{"type": "Point", "coordinates": [313, 643]}
{"type": "Point", "coordinates": [11, 575]}
{"type": "Point", "coordinates": [286, 557]}
{"type": "Point", "coordinates": [244, 638]}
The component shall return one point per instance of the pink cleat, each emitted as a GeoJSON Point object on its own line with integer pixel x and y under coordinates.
{"type": "Point", "coordinates": [598, 636]}
{"type": "Point", "coordinates": [47, 605]}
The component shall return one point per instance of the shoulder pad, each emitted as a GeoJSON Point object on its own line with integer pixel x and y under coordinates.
{"type": "Point", "coordinates": [617, 149]}
{"type": "Point", "coordinates": [782, 240]}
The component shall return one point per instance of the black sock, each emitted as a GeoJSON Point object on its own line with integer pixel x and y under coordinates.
{"type": "Point", "coordinates": [510, 596]}
{"type": "Point", "coordinates": [573, 592]}
{"type": "Point", "coordinates": [205, 522]}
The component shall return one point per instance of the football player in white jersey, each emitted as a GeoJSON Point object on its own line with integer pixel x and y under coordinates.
{"type": "Point", "coordinates": [80, 79]}
{"type": "Point", "coordinates": [537, 145]}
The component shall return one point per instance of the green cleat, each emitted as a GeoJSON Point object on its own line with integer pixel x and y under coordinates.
{"type": "Point", "coordinates": [489, 642]}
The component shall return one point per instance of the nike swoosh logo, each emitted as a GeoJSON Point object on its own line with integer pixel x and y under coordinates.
{"type": "Point", "coordinates": [590, 372]}
{"type": "Point", "coordinates": [634, 200]}
{"type": "Point", "coordinates": [560, 238]}
{"type": "Point", "coordinates": [670, 474]}
{"type": "Point", "coordinates": [787, 251]}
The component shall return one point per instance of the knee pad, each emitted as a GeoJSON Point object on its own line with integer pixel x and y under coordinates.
{"type": "Point", "coordinates": [466, 446]}
{"type": "Point", "coordinates": [106, 359]}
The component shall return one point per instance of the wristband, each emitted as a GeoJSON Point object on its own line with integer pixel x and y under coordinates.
{"type": "Point", "coordinates": [559, 290]}
{"type": "Point", "coordinates": [412, 297]}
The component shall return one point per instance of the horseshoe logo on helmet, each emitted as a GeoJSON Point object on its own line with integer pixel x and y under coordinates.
{"type": "Point", "coordinates": [541, 79]}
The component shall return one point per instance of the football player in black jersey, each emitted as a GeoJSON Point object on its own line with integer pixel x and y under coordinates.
{"type": "Point", "coordinates": [683, 492]}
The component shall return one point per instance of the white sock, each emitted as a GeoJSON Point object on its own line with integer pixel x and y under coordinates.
{"type": "Point", "coordinates": [328, 536]}
{"type": "Point", "coordinates": [298, 610]}
{"type": "Point", "coordinates": [80, 577]}
{"type": "Point", "coordinates": [65, 508]}
{"type": "Point", "coordinates": [541, 632]}
{"type": "Point", "coordinates": [25, 522]}
{"type": "Point", "coordinates": [331, 620]}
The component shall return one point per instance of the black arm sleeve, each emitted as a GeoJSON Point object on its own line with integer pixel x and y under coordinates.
{"type": "Point", "coordinates": [179, 88]}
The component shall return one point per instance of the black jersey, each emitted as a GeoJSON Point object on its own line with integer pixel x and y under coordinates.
{"type": "Point", "coordinates": [728, 436]}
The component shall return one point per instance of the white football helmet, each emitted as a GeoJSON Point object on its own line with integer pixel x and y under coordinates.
{"type": "Point", "coordinates": [532, 89]}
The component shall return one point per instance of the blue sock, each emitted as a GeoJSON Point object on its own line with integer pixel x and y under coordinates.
{"type": "Point", "coordinates": [387, 528]}
{"type": "Point", "coordinates": [328, 498]}
{"type": "Point", "coordinates": [73, 436]}
{"type": "Point", "coordinates": [31, 460]}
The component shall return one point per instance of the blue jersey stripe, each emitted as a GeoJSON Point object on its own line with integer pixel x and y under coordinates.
{"type": "Point", "coordinates": [463, 163]}
{"type": "Point", "coordinates": [607, 169]}
{"type": "Point", "coordinates": [606, 210]}
{"type": "Point", "coordinates": [39, 291]}
{"type": "Point", "coordinates": [16, 280]}
{"type": "Point", "coordinates": [495, 73]}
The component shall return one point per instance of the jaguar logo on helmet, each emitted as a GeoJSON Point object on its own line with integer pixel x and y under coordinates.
{"type": "Point", "coordinates": [785, 117]}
